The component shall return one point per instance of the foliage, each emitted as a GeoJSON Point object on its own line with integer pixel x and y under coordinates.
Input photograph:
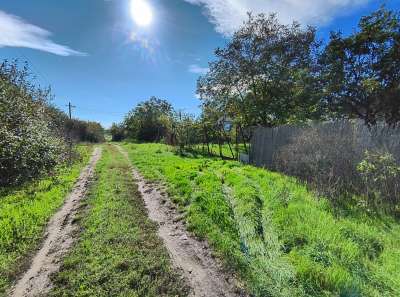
{"type": "Point", "coordinates": [117, 132]}
{"type": "Point", "coordinates": [266, 75]}
{"type": "Point", "coordinates": [381, 175]}
{"type": "Point", "coordinates": [362, 71]}
{"type": "Point", "coordinates": [185, 132]}
{"type": "Point", "coordinates": [28, 145]}
{"type": "Point", "coordinates": [85, 131]}
{"type": "Point", "coordinates": [252, 216]}
{"type": "Point", "coordinates": [145, 121]}
{"type": "Point", "coordinates": [24, 213]}
{"type": "Point", "coordinates": [118, 252]}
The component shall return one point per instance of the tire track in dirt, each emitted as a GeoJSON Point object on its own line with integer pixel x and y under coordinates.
{"type": "Point", "coordinates": [205, 275]}
{"type": "Point", "coordinates": [58, 239]}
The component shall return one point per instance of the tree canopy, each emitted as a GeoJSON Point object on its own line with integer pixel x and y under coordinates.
{"type": "Point", "coordinates": [146, 121]}
{"type": "Point", "coordinates": [362, 71]}
{"type": "Point", "coordinates": [266, 75]}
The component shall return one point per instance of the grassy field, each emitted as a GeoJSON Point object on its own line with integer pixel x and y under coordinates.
{"type": "Point", "coordinates": [283, 240]}
{"type": "Point", "coordinates": [25, 211]}
{"type": "Point", "coordinates": [118, 252]}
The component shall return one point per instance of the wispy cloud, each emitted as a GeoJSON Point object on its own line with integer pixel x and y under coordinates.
{"type": "Point", "coordinates": [196, 69]}
{"type": "Point", "coordinates": [228, 15]}
{"type": "Point", "coordinates": [15, 32]}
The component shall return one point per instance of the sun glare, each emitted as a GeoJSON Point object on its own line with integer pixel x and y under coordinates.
{"type": "Point", "coordinates": [141, 12]}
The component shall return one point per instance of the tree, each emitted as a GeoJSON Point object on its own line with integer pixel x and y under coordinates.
{"type": "Point", "coordinates": [362, 71]}
{"type": "Point", "coordinates": [266, 75]}
{"type": "Point", "coordinates": [145, 122]}
{"type": "Point", "coordinates": [185, 130]}
{"type": "Point", "coordinates": [94, 132]}
{"type": "Point", "coordinates": [117, 132]}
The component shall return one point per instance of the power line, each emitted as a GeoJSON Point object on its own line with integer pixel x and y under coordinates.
{"type": "Point", "coordinates": [103, 112]}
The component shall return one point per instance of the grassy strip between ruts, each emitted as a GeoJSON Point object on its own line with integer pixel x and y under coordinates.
{"type": "Point", "coordinates": [24, 213]}
{"type": "Point", "coordinates": [118, 252]}
{"type": "Point", "coordinates": [282, 239]}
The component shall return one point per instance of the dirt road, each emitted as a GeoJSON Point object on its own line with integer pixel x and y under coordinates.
{"type": "Point", "coordinates": [58, 239]}
{"type": "Point", "coordinates": [193, 258]}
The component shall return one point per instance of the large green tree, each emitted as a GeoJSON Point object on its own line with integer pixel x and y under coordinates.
{"type": "Point", "coordinates": [146, 122]}
{"type": "Point", "coordinates": [266, 75]}
{"type": "Point", "coordinates": [362, 71]}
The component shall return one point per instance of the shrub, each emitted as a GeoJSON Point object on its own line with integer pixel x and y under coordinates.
{"type": "Point", "coordinates": [85, 131]}
{"type": "Point", "coordinates": [381, 175]}
{"type": "Point", "coordinates": [28, 145]}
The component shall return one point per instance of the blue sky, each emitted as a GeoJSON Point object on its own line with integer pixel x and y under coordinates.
{"type": "Point", "coordinates": [95, 55]}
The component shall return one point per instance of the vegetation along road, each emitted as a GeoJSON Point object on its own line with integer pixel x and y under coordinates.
{"type": "Point", "coordinates": [142, 220]}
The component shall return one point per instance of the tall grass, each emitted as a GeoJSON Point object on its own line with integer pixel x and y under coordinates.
{"type": "Point", "coordinates": [279, 237]}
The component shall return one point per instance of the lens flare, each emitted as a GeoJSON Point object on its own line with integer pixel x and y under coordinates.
{"type": "Point", "coordinates": [141, 12]}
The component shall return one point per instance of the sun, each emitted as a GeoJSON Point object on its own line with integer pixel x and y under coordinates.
{"type": "Point", "coordinates": [141, 12]}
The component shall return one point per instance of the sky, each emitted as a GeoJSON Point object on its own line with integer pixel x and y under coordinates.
{"type": "Point", "coordinates": [105, 56]}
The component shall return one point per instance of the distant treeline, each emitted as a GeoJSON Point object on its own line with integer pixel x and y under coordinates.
{"type": "Point", "coordinates": [33, 133]}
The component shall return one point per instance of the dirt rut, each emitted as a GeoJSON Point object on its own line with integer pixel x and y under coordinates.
{"type": "Point", "coordinates": [193, 257]}
{"type": "Point", "coordinates": [58, 239]}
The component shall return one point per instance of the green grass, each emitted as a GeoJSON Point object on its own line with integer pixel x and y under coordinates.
{"type": "Point", "coordinates": [118, 252]}
{"type": "Point", "coordinates": [214, 149]}
{"type": "Point", "coordinates": [279, 237]}
{"type": "Point", "coordinates": [24, 213]}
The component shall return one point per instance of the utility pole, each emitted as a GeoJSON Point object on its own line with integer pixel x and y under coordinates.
{"type": "Point", "coordinates": [70, 107]}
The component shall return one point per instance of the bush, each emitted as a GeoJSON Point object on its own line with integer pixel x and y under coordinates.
{"type": "Point", "coordinates": [28, 145]}
{"type": "Point", "coordinates": [381, 175]}
{"type": "Point", "coordinates": [85, 131]}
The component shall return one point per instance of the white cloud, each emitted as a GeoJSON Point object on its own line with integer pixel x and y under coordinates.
{"type": "Point", "coordinates": [196, 69]}
{"type": "Point", "coordinates": [15, 32]}
{"type": "Point", "coordinates": [228, 15]}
